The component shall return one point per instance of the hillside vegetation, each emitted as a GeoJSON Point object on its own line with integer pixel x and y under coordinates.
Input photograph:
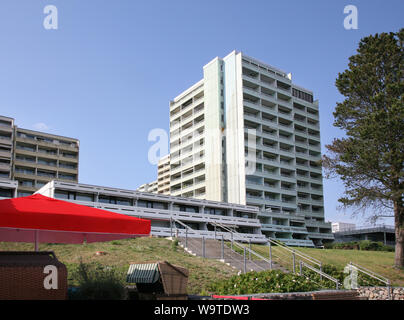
{"type": "Point", "coordinates": [380, 262]}
{"type": "Point", "coordinates": [120, 254]}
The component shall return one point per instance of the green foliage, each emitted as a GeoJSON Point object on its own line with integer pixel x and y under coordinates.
{"type": "Point", "coordinates": [364, 245]}
{"type": "Point", "coordinates": [275, 281]}
{"type": "Point", "coordinates": [339, 274]}
{"type": "Point", "coordinates": [98, 282]}
{"type": "Point", "coordinates": [262, 282]}
{"type": "Point", "coordinates": [370, 159]}
{"type": "Point", "coordinates": [174, 245]}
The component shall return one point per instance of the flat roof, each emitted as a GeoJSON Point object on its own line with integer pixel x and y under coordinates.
{"type": "Point", "coordinates": [40, 133]}
{"type": "Point", "coordinates": [156, 196]}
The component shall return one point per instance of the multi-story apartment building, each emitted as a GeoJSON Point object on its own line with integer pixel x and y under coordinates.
{"type": "Point", "coordinates": [169, 215]}
{"type": "Point", "coordinates": [150, 187]}
{"type": "Point", "coordinates": [246, 134]}
{"type": "Point", "coordinates": [34, 158]}
{"type": "Point", "coordinates": [163, 175]}
{"type": "Point", "coordinates": [6, 146]}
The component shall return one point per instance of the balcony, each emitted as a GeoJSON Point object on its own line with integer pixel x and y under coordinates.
{"type": "Point", "coordinates": [5, 166]}
{"type": "Point", "coordinates": [5, 154]}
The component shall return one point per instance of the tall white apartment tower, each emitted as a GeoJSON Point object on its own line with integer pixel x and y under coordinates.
{"type": "Point", "coordinates": [246, 134]}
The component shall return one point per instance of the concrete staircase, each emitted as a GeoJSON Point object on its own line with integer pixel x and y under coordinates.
{"type": "Point", "coordinates": [213, 250]}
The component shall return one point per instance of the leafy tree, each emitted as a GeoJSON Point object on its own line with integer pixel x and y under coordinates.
{"type": "Point", "coordinates": [370, 158]}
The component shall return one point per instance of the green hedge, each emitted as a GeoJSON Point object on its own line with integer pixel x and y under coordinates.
{"type": "Point", "coordinates": [262, 282]}
{"type": "Point", "coordinates": [275, 281]}
{"type": "Point", "coordinates": [365, 245]}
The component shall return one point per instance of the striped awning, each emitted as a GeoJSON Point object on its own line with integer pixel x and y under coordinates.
{"type": "Point", "coordinates": [143, 273]}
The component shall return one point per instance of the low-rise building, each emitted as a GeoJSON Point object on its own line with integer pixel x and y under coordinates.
{"type": "Point", "coordinates": [169, 215]}
{"type": "Point", "coordinates": [8, 188]}
{"type": "Point", "coordinates": [342, 226]}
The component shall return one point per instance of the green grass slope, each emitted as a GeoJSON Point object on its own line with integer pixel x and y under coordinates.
{"type": "Point", "coordinates": [119, 254]}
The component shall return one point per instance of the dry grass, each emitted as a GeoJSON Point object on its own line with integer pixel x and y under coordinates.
{"type": "Point", "coordinates": [120, 254]}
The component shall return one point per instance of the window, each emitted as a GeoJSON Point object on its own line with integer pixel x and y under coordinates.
{"type": "Point", "coordinates": [67, 176]}
{"type": "Point", "coordinates": [26, 147]}
{"type": "Point", "coordinates": [60, 194]}
{"type": "Point", "coordinates": [152, 204]}
{"type": "Point", "coordinates": [25, 158]}
{"type": "Point", "coordinates": [24, 170]}
{"type": "Point", "coordinates": [215, 211]}
{"type": "Point", "coordinates": [4, 193]}
{"type": "Point", "coordinates": [67, 165]}
{"type": "Point", "coordinates": [24, 194]}
{"type": "Point", "coordinates": [115, 200]}
{"type": "Point", "coordinates": [184, 208]}
{"type": "Point", "coordinates": [49, 174]}
{"type": "Point", "coordinates": [84, 197]}
{"type": "Point", "coordinates": [47, 162]}
{"type": "Point", "coordinates": [69, 155]}
{"type": "Point", "coordinates": [124, 202]}
{"type": "Point", "coordinates": [26, 183]}
{"type": "Point", "coordinates": [302, 95]}
{"type": "Point", "coordinates": [47, 151]}
{"type": "Point", "coordinates": [40, 184]}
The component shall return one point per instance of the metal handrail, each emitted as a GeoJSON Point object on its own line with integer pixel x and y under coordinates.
{"type": "Point", "coordinates": [296, 252]}
{"type": "Point", "coordinates": [321, 273]}
{"type": "Point", "coordinates": [371, 273]}
{"type": "Point", "coordinates": [374, 275]}
{"type": "Point", "coordinates": [293, 251]}
{"type": "Point", "coordinates": [251, 251]}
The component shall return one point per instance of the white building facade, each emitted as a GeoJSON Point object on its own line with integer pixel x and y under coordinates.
{"type": "Point", "coordinates": [246, 134]}
{"type": "Point", "coordinates": [342, 226]}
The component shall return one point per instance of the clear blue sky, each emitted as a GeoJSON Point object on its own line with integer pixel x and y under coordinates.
{"type": "Point", "coordinates": [106, 76]}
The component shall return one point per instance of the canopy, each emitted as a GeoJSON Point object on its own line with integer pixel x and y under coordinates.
{"type": "Point", "coordinates": [40, 219]}
{"type": "Point", "coordinates": [143, 273]}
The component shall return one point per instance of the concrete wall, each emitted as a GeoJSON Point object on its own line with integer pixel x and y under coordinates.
{"type": "Point", "coordinates": [213, 134]}
{"type": "Point", "coordinates": [234, 129]}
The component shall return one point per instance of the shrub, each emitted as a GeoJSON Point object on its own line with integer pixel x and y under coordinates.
{"type": "Point", "coordinates": [174, 245]}
{"type": "Point", "coordinates": [365, 245]}
{"type": "Point", "coordinates": [97, 282]}
{"type": "Point", "coordinates": [273, 281]}
{"type": "Point", "coordinates": [333, 271]}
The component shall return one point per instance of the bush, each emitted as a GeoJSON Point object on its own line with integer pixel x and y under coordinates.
{"type": "Point", "coordinates": [174, 245]}
{"type": "Point", "coordinates": [365, 245]}
{"type": "Point", "coordinates": [97, 282]}
{"type": "Point", "coordinates": [273, 281]}
{"type": "Point", "coordinates": [333, 271]}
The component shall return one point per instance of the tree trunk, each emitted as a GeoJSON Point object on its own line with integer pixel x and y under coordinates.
{"type": "Point", "coordinates": [399, 231]}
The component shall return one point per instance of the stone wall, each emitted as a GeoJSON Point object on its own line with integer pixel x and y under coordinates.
{"type": "Point", "coordinates": [381, 293]}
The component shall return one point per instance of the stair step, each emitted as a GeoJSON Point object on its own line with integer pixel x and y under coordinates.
{"type": "Point", "coordinates": [213, 250]}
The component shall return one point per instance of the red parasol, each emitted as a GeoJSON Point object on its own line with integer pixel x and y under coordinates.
{"type": "Point", "coordinates": [40, 219]}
